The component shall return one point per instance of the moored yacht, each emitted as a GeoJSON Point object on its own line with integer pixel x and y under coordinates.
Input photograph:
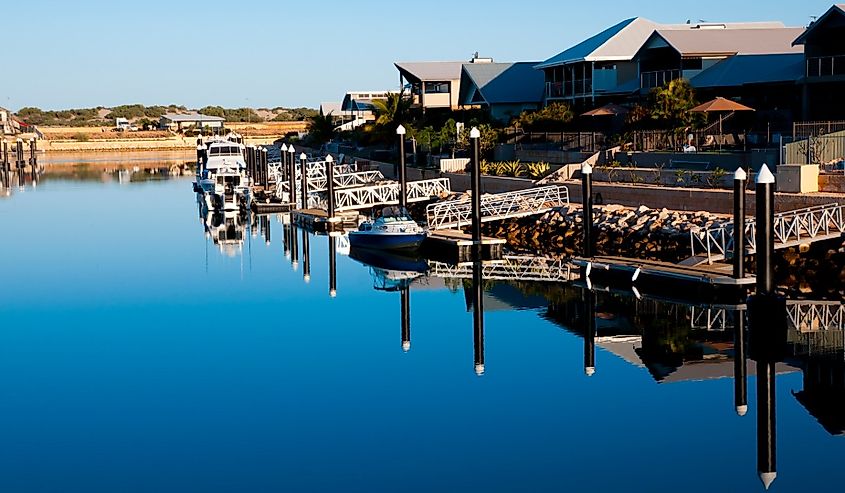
{"type": "Point", "coordinates": [393, 229]}
{"type": "Point", "coordinates": [223, 180]}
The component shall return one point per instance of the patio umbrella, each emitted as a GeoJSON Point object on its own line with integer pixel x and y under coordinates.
{"type": "Point", "coordinates": [607, 110]}
{"type": "Point", "coordinates": [720, 105]}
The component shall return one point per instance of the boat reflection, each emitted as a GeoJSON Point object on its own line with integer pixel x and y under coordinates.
{"type": "Point", "coordinates": [227, 229]}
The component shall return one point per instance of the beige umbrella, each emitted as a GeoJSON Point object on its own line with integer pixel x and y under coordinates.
{"type": "Point", "coordinates": [720, 105]}
{"type": "Point", "coordinates": [607, 110]}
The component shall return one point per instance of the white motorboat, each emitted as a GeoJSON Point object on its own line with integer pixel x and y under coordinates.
{"type": "Point", "coordinates": [223, 180]}
{"type": "Point", "coordinates": [394, 229]}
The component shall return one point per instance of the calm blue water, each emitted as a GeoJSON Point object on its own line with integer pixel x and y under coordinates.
{"type": "Point", "coordinates": [136, 357]}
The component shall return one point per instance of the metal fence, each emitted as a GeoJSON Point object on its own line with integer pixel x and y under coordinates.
{"type": "Point", "coordinates": [562, 141]}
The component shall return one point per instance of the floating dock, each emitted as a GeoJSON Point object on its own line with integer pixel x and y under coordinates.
{"type": "Point", "coordinates": [711, 282]}
{"type": "Point", "coordinates": [318, 220]}
{"type": "Point", "coordinates": [452, 245]}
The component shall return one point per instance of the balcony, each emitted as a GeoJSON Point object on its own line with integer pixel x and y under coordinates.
{"type": "Point", "coordinates": [569, 89]}
{"type": "Point", "coordinates": [658, 78]}
{"type": "Point", "coordinates": [825, 66]}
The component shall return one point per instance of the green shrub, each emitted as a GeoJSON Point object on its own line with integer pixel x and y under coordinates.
{"type": "Point", "coordinates": [538, 170]}
{"type": "Point", "coordinates": [80, 137]}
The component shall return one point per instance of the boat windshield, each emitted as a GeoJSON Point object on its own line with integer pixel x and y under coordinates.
{"type": "Point", "coordinates": [224, 151]}
{"type": "Point", "coordinates": [395, 214]}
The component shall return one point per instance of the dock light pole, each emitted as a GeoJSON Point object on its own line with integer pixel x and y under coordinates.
{"type": "Point", "coordinates": [587, 209]}
{"type": "Point", "coordinates": [765, 233]}
{"type": "Point", "coordinates": [292, 180]}
{"type": "Point", "coordinates": [265, 169]}
{"type": "Point", "coordinates": [291, 172]}
{"type": "Point", "coordinates": [283, 160]}
{"type": "Point", "coordinates": [303, 164]}
{"type": "Point", "coordinates": [740, 178]}
{"type": "Point", "coordinates": [4, 164]}
{"type": "Point", "coordinates": [400, 131]}
{"type": "Point", "coordinates": [330, 184]}
{"type": "Point", "coordinates": [474, 137]}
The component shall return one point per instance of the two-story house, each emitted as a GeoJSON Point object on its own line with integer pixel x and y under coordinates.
{"type": "Point", "coordinates": [824, 59]}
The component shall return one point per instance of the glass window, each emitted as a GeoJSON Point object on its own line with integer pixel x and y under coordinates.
{"type": "Point", "coordinates": [436, 87]}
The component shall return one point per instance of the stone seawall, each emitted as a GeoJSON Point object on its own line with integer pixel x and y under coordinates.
{"type": "Point", "coordinates": [657, 234]}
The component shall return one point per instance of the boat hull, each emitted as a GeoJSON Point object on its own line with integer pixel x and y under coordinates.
{"type": "Point", "coordinates": [385, 241]}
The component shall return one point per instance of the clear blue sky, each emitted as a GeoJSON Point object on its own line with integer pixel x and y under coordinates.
{"type": "Point", "coordinates": [273, 53]}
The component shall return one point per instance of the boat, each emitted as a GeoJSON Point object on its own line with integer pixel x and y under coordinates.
{"type": "Point", "coordinates": [393, 229]}
{"type": "Point", "coordinates": [223, 180]}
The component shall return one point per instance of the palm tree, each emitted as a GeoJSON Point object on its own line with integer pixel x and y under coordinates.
{"type": "Point", "coordinates": [321, 128]}
{"type": "Point", "coordinates": [392, 111]}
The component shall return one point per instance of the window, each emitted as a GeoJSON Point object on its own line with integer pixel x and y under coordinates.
{"type": "Point", "coordinates": [691, 64]}
{"type": "Point", "coordinates": [436, 87]}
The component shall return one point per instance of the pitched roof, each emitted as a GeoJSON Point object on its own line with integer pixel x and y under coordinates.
{"type": "Point", "coordinates": [500, 83]}
{"type": "Point", "coordinates": [752, 69]}
{"type": "Point", "coordinates": [333, 108]}
{"type": "Point", "coordinates": [430, 71]}
{"type": "Point", "coordinates": [838, 8]}
{"type": "Point", "coordinates": [704, 42]}
{"type": "Point", "coordinates": [623, 40]}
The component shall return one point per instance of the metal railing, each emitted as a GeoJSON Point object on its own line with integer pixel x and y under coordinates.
{"type": "Point", "coordinates": [658, 78]}
{"type": "Point", "coordinates": [454, 213]}
{"type": "Point", "coordinates": [388, 193]}
{"type": "Point", "coordinates": [816, 316]}
{"type": "Point", "coordinates": [790, 228]}
{"type": "Point", "coordinates": [511, 268]}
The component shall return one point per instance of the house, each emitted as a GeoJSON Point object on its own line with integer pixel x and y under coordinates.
{"type": "Point", "coordinates": [821, 83]}
{"type": "Point", "coordinates": [179, 121]}
{"type": "Point", "coordinates": [670, 54]}
{"type": "Point", "coordinates": [606, 68]}
{"type": "Point", "coordinates": [122, 124]}
{"type": "Point", "coordinates": [433, 85]}
{"type": "Point", "coordinates": [504, 89]}
{"type": "Point", "coordinates": [360, 103]}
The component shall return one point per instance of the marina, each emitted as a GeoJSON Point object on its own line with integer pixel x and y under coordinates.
{"type": "Point", "coordinates": [302, 390]}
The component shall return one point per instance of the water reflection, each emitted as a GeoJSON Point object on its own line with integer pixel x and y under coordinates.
{"type": "Point", "coordinates": [673, 341]}
{"type": "Point", "coordinates": [226, 229]}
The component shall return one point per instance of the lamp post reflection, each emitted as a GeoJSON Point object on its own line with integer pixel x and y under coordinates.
{"type": "Point", "coordinates": [287, 231]}
{"type": "Point", "coordinates": [590, 333]}
{"type": "Point", "coordinates": [478, 316]}
{"type": "Point", "coordinates": [306, 256]}
{"type": "Point", "coordinates": [294, 249]}
{"type": "Point", "coordinates": [405, 294]}
{"type": "Point", "coordinates": [740, 367]}
{"type": "Point", "coordinates": [332, 266]}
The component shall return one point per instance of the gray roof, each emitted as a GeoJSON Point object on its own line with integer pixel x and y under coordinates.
{"type": "Point", "coordinates": [752, 69]}
{"type": "Point", "coordinates": [699, 42]}
{"type": "Point", "coordinates": [837, 9]}
{"type": "Point", "coordinates": [500, 83]}
{"type": "Point", "coordinates": [430, 71]}
{"type": "Point", "coordinates": [622, 41]}
{"type": "Point", "coordinates": [191, 117]}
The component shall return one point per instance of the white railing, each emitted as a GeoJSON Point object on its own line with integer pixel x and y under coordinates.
{"type": "Point", "coordinates": [789, 229]}
{"type": "Point", "coordinates": [456, 213]}
{"type": "Point", "coordinates": [803, 316]}
{"type": "Point", "coordinates": [388, 193]}
{"type": "Point", "coordinates": [710, 319]}
{"type": "Point", "coordinates": [512, 268]}
{"type": "Point", "coordinates": [346, 180]}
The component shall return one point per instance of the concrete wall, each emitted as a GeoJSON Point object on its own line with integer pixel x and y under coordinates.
{"type": "Point", "coordinates": [832, 183]}
{"type": "Point", "coordinates": [553, 157]}
{"type": "Point", "coordinates": [699, 160]}
{"type": "Point", "coordinates": [692, 199]}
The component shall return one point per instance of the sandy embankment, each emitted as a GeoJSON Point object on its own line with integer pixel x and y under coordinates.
{"type": "Point", "coordinates": [101, 139]}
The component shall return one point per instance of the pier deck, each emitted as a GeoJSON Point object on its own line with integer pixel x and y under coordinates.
{"type": "Point", "coordinates": [318, 220]}
{"type": "Point", "coordinates": [454, 245]}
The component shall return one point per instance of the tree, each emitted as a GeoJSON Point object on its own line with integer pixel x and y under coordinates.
{"type": "Point", "coordinates": [553, 117]}
{"type": "Point", "coordinates": [213, 111]}
{"type": "Point", "coordinates": [321, 128]}
{"type": "Point", "coordinates": [392, 111]}
{"type": "Point", "coordinates": [671, 105]}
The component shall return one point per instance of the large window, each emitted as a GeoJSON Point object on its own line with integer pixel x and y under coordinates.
{"type": "Point", "coordinates": [436, 87]}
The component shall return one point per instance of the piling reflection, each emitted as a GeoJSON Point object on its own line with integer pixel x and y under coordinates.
{"type": "Point", "coordinates": [674, 341]}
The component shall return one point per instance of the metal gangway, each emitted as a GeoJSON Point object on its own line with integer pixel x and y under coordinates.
{"type": "Point", "coordinates": [346, 180]}
{"type": "Point", "coordinates": [316, 169]}
{"type": "Point", "coordinates": [388, 193]}
{"type": "Point", "coordinates": [791, 228]}
{"type": "Point", "coordinates": [511, 268]}
{"type": "Point", "coordinates": [456, 213]}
